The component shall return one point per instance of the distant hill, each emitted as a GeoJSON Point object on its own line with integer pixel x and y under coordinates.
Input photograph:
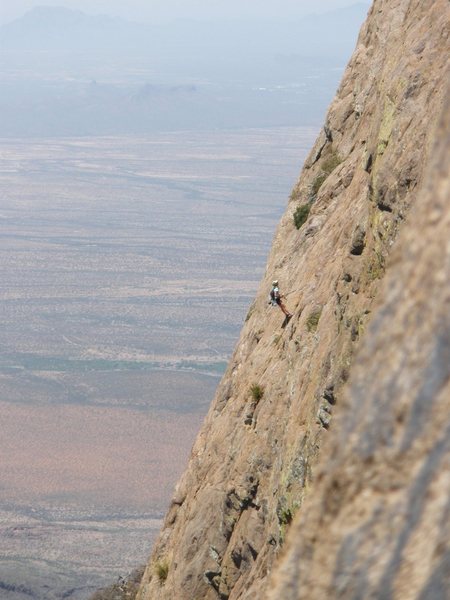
{"type": "Point", "coordinates": [60, 29]}
{"type": "Point", "coordinates": [70, 73]}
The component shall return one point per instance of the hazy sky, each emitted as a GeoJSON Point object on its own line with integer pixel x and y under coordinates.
{"type": "Point", "coordinates": [162, 10]}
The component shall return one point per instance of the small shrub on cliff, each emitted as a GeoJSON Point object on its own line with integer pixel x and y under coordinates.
{"type": "Point", "coordinates": [375, 267]}
{"type": "Point", "coordinates": [331, 162]}
{"type": "Point", "coordinates": [257, 392]}
{"type": "Point", "coordinates": [317, 184]}
{"type": "Point", "coordinates": [301, 214]}
{"type": "Point", "coordinates": [313, 320]}
{"type": "Point", "coordinates": [285, 513]}
{"type": "Point", "coordinates": [326, 168]}
{"type": "Point", "coordinates": [285, 516]}
{"type": "Point", "coordinates": [294, 195]}
{"type": "Point", "coordinates": [162, 570]}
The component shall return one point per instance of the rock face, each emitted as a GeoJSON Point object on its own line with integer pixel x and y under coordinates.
{"type": "Point", "coordinates": [378, 503]}
{"type": "Point", "coordinates": [378, 522]}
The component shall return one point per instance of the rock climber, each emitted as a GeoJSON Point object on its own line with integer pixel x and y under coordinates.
{"type": "Point", "coordinates": [277, 299]}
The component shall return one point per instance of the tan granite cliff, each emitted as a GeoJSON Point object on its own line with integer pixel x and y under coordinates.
{"type": "Point", "coordinates": [253, 489]}
{"type": "Point", "coordinates": [378, 522]}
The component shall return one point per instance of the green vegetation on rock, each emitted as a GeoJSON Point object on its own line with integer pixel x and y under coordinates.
{"type": "Point", "coordinates": [162, 570]}
{"type": "Point", "coordinates": [327, 166]}
{"type": "Point", "coordinates": [317, 184]}
{"type": "Point", "coordinates": [313, 320]}
{"type": "Point", "coordinates": [301, 214]}
{"type": "Point", "coordinates": [257, 392]}
{"type": "Point", "coordinates": [285, 513]}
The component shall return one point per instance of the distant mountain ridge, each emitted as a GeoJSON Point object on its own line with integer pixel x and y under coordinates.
{"type": "Point", "coordinates": [46, 28]}
{"type": "Point", "coordinates": [57, 28]}
{"type": "Point", "coordinates": [60, 15]}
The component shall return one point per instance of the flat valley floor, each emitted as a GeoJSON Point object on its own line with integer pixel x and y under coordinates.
{"type": "Point", "coordinates": [127, 266]}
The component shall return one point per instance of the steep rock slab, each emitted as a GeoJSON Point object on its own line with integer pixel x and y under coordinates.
{"type": "Point", "coordinates": [251, 464]}
{"type": "Point", "coordinates": [378, 522]}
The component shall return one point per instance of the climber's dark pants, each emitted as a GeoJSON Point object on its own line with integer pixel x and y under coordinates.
{"type": "Point", "coordinates": [282, 306]}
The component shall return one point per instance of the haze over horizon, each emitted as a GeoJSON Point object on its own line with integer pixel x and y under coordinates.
{"type": "Point", "coordinates": [71, 73]}
{"type": "Point", "coordinates": [168, 10]}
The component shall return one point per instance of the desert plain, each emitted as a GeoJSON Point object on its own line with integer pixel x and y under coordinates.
{"type": "Point", "coordinates": [128, 265]}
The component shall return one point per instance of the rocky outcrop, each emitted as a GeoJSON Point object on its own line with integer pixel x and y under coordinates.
{"type": "Point", "coordinates": [254, 461]}
{"type": "Point", "coordinates": [378, 522]}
